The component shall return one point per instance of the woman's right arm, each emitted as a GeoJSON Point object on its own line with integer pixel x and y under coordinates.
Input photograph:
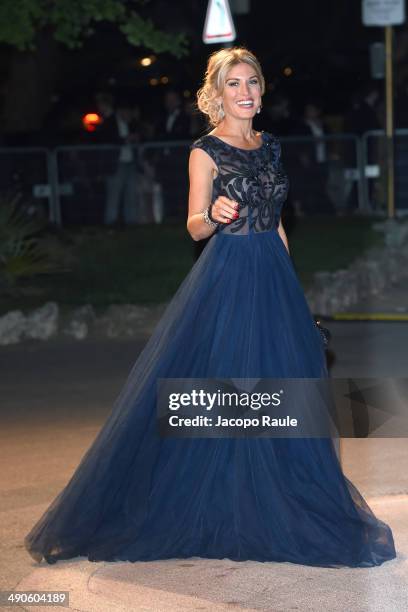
{"type": "Point", "coordinates": [201, 172]}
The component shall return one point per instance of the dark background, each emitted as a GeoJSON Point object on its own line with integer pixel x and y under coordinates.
{"type": "Point", "coordinates": [323, 41]}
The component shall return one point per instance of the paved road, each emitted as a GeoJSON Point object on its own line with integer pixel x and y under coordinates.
{"type": "Point", "coordinates": [370, 348]}
{"type": "Point", "coordinates": [54, 398]}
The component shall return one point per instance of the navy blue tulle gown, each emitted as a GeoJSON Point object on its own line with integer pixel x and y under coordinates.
{"type": "Point", "coordinates": [239, 313]}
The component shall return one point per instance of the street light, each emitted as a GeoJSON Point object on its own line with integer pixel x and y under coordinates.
{"type": "Point", "coordinates": [147, 61]}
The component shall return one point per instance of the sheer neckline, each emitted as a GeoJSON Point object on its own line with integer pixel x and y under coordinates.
{"type": "Point", "coordinates": [240, 148]}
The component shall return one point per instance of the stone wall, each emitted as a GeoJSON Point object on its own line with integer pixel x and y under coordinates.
{"type": "Point", "coordinates": [369, 275]}
{"type": "Point", "coordinates": [45, 323]}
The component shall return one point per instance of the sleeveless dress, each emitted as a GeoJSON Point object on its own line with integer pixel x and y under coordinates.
{"type": "Point", "coordinates": [239, 313]}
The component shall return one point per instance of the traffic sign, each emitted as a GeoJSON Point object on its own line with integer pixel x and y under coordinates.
{"type": "Point", "coordinates": [383, 12]}
{"type": "Point", "coordinates": [219, 26]}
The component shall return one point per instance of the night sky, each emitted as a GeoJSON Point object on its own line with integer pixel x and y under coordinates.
{"type": "Point", "coordinates": [323, 41]}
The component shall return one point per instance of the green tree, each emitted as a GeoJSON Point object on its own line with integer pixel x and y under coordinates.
{"type": "Point", "coordinates": [36, 29]}
{"type": "Point", "coordinates": [73, 20]}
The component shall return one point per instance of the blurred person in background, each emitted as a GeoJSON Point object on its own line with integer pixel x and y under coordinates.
{"type": "Point", "coordinates": [174, 125]}
{"type": "Point", "coordinates": [278, 116]}
{"type": "Point", "coordinates": [363, 113]}
{"type": "Point", "coordinates": [175, 122]}
{"type": "Point", "coordinates": [310, 194]}
{"type": "Point", "coordinates": [364, 116]}
{"type": "Point", "coordinates": [197, 122]}
{"type": "Point", "coordinates": [121, 126]}
{"type": "Point", "coordinates": [105, 105]}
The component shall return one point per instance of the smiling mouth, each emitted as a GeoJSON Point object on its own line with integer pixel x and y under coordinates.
{"type": "Point", "coordinates": [245, 103]}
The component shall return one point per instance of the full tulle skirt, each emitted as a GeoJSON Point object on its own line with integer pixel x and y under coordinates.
{"type": "Point", "coordinates": [239, 313]}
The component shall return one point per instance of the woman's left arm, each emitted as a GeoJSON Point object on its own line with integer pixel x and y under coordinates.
{"type": "Point", "coordinates": [283, 235]}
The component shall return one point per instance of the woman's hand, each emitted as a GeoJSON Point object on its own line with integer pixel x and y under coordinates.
{"type": "Point", "coordinates": [202, 171]}
{"type": "Point", "coordinates": [224, 210]}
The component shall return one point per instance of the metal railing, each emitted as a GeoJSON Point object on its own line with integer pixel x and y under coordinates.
{"type": "Point", "coordinates": [374, 178]}
{"type": "Point", "coordinates": [324, 173]}
{"type": "Point", "coordinates": [94, 184]}
{"type": "Point", "coordinates": [27, 172]}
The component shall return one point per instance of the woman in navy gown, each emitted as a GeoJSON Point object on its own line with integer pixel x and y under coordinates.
{"type": "Point", "coordinates": [240, 313]}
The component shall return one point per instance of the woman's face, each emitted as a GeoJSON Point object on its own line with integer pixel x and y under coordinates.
{"type": "Point", "coordinates": [242, 92]}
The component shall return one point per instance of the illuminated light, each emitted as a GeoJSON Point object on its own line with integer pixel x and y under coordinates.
{"type": "Point", "coordinates": [90, 121]}
{"type": "Point", "coordinates": [164, 80]}
{"type": "Point", "coordinates": [154, 81]}
{"type": "Point", "coordinates": [287, 71]}
{"type": "Point", "coordinates": [147, 61]}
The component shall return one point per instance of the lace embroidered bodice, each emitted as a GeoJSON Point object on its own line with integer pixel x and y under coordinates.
{"type": "Point", "coordinates": [255, 178]}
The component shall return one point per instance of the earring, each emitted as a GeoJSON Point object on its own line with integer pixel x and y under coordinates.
{"type": "Point", "coordinates": [259, 109]}
{"type": "Point", "coordinates": [221, 111]}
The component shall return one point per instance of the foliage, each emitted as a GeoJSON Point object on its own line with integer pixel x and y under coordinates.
{"type": "Point", "coordinates": [73, 20]}
{"type": "Point", "coordinates": [23, 253]}
{"type": "Point", "coordinates": [147, 263]}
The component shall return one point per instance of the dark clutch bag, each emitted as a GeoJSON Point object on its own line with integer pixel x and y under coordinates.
{"type": "Point", "coordinates": [325, 334]}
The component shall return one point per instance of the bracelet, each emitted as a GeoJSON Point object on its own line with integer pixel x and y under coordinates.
{"type": "Point", "coordinates": [209, 209]}
{"type": "Point", "coordinates": [208, 219]}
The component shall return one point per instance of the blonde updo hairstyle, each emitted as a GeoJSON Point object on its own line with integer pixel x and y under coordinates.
{"type": "Point", "coordinates": [218, 66]}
